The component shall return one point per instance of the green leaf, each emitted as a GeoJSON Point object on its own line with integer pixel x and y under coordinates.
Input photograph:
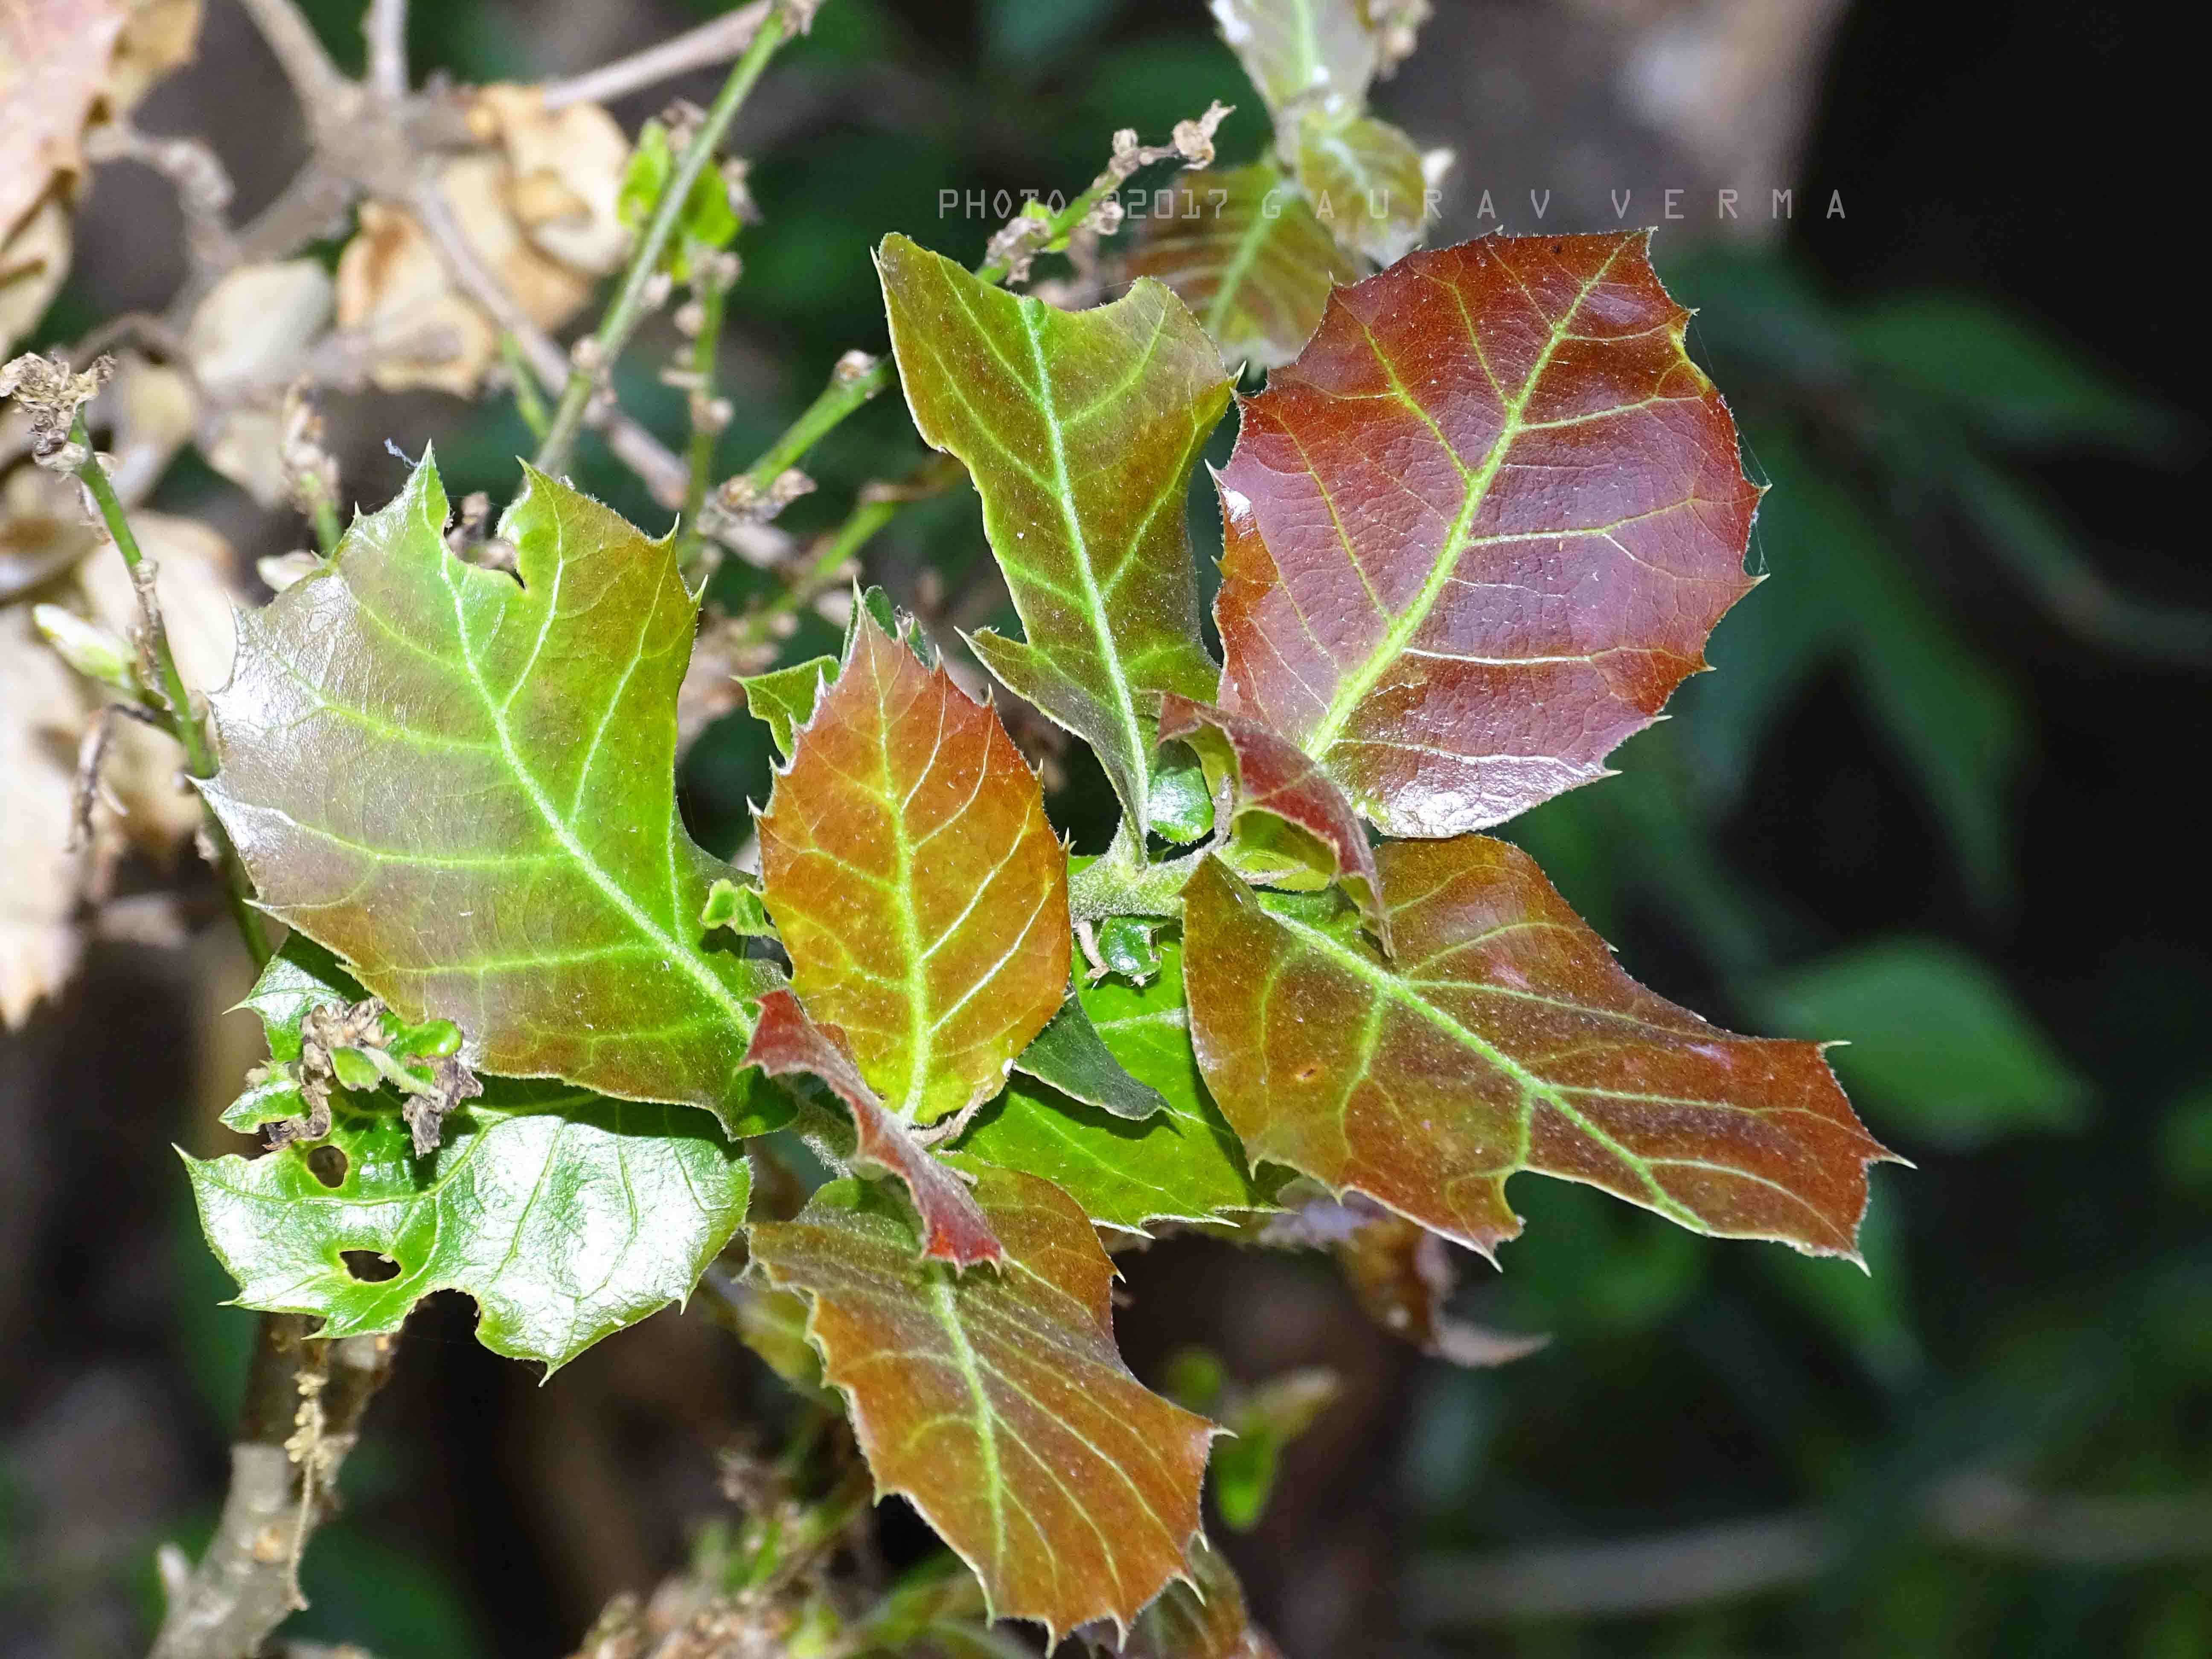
{"type": "Point", "coordinates": [736, 907]}
{"type": "Point", "coordinates": [1080, 429]}
{"type": "Point", "coordinates": [2186, 1143]}
{"type": "Point", "coordinates": [1311, 829]}
{"type": "Point", "coordinates": [1480, 530]}
{"type": "Point", "coordinates": [995, 1402]}
{"type": "Point", "coordinates": [1364, 179]}
{"type": "Point", "coordinates": [2005, 375]}
{"type": "Point", "coordinates": [1180, 1165]}
{"type": "Point", "coordinates": [1070, 1055]}
{"type": "Point", "coordinates": [1254, 266]}
{"type": "Point", "coordinates": [465, 787]}
{"type": "Point", "coordinates": [784, 698]}
{"type": "Point", "coordinates": [1264, 1420]}
{"type": "Point", "coordinates": [915, 883]}
{"type": "Point", "coordinates": [564, 1214]}
{"type": "Point", "coordinates": [1935, 1045]}
{"type": "Point", "coordinates": [707, 220]}
{"type": "Point", "coordinates": [1127, 946]}
{"type": "Point", "coordinates": [1503, 1037]}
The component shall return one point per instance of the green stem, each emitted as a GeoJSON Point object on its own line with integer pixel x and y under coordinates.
{"type": "Point", "coordinates": [528, 403]}
{"type": "Point", "coordinates": [324, 515]}
{"type": "Point", "coordinates": [629, 308]}
{"type": "Point", "coordinates": [712, 294]}
{"type": "Point", "coordinates": [844, 394]}
{"type": "Point", "coordinates": [758, 627]}
{"type": "Point", "coordinates": [199, 753]}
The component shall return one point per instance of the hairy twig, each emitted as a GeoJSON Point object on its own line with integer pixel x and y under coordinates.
{"type": "Point", "coordinates": [1006, 259]}
{"type": "Point", "coordinates": [716, 42]}
{"type": "Point", "coordinates": [199, 753]}
{"type": "Point", "coordinates": [663, 473]}
{"type": "Point", "coordinates": [713, 276]}
{"type": "Point", "coordinates": [857, 378]}
{"type": "Point", "coordinates": [305, 1398]}
{"type": "Point", "coordinates": [597, 350]}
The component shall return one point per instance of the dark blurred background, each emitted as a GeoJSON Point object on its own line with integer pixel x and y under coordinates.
{"type": "Point", "coordinates": [1935, 801]}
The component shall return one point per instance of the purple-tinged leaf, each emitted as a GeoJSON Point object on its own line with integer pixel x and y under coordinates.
{"type": "Point", "coordinates": [786, 1041]}
{"type": "Point", "coordinates": [1481, 529]}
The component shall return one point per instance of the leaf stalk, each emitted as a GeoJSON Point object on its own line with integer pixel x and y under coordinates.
{"type": "Point", "coordinates": [199, 753]}
{"type": "Point", "coordinates": [631, 302]}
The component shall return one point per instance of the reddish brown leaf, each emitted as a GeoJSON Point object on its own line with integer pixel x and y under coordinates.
{"type": "Point", "coordinates": [786, 1041]}
{"type": "Point", "coordinates": [1277, 777]}
{"type": "Point", "coordinates": [923, 897]}
{"type": "Point", "coordinates": [1502, 1038]}
{"type": "Point", "coordinates": [996, 1401]}
{"type": "Point", "coordinates": [1481, 529]}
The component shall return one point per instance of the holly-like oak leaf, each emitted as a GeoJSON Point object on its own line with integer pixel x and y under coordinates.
{"type": "Point", "coordinates": [1481, 529]}
{"type": "Point", "coordinates": [906, 859]}
{"type": "Point", "coordinates": [1277, 780]}
{"type": "Point", "coordinates": [953, 1229]}
{"type": "Point", "coordinates": [996, 1401]}
{"type": "Point", "coordinates": [1502, 1037]}
{"type": "Point", "coordinates": [1182, 1164]}
{"type": "Point", "coordinates": [464, 785]}
{"type": "Point", "coordinates": [566, 1215]}
{"type": "Point", "coordinates": [1080, 429]}
{"type": "Point", "coordinates": [1254, 265]}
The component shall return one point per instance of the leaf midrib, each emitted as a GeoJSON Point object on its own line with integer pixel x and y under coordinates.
{"type": "Point", "coordinates": [1238, 269]}
{"type": "Point", "coordinates": [1532, 1086]}
{"type": "Point", "coordinates": [1352, 689]}
{"type": "Point", "coordinates": [611, 889]}
{"type": "Point", "coordinates": [1125, 710]}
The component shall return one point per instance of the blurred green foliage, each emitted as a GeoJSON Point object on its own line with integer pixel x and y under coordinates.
{"type": "Point", "coordinates": [2038, 1302]}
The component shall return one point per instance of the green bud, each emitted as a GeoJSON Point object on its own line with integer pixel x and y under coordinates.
{"type": "Point", "coordinates": [92, 651]}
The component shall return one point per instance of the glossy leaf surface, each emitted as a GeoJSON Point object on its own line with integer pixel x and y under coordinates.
{"type": "Point", "coordinates": [1181, 1165]}
{"type": "Point", "coordinates": [1276, 778]}
{"type": "Point", "coordinates": [1070, 1056]}
{"type": "Point", "coordinates": [786, 1041]}
{"type": "Point", "coordinates": [1481, 529]}
{"type": "Point", "coordinates": [923, 896]}
{"type": "Point", "coordinates": [1503, 1037]}
{"type": "Point", "coordinates": [1080, 429]}
{"type": "Point", "coordinates": [783, 698]}
{"type": "Point", "coordinates": [565, 1215]}
{"type": "Point", "coordinates": [996, 1402]}
{"type": "Point", "coordinates": [465, 787]}
{"type": "Point", "coordinates": [1254, 266]}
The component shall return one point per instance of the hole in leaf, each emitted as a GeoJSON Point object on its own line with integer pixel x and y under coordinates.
{"type": "Point", "coordinates": [369, 1266]}
{"type": "Point", "coordinates": [327, 1164]}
